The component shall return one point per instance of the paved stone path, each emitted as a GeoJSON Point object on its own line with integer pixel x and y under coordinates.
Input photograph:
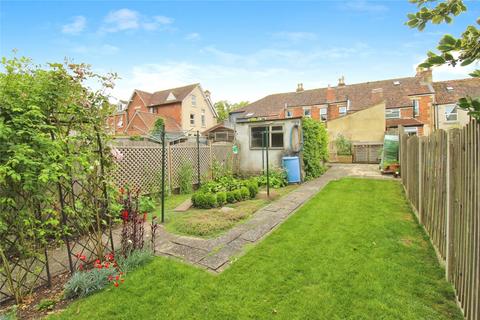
{"type": "Point", "coordinates": [216, 254]}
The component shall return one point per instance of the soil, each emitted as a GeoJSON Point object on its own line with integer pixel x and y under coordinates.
{"type": "Point", "coordinates": [29, 308]}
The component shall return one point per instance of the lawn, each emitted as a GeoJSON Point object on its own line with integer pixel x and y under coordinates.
{"type": "Point", "coordinates": [353, 252]}
{"type": "Point", "coordinates": [212, 222]}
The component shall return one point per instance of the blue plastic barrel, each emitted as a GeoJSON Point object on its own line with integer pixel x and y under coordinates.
{"type": "Point", "coordinates": [292, 167]}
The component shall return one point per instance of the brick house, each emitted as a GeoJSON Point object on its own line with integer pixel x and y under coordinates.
{"type": "Point", "coordinates": [184, 110]}
{"type": "Point", "coordinates": [413, 102]}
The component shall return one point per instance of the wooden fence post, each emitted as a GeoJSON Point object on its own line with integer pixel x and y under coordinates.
{"type": "Point", "coordinates": [169, 167]}
{"type": "Point", "coordinates": [420, 180]}
{"type": "Point", "coordinates": [449, 227]}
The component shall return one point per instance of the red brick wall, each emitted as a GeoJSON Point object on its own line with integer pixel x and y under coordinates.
{"type": "Point", "coordinates": [132, 106]}
{"type": "Point", "coordinates": [406, 113]}
{"type": "Point", "coordinates": [332, 112]}
{"type": "Point", "coordinates": [173, 110]}
{"type": "Point", "coordinates": [424, 108]}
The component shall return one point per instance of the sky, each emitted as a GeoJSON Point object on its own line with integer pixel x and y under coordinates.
{"type": "Point", "coordinates": [237, 50]}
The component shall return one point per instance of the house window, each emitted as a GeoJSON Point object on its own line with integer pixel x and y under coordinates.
{"type": "Point", "coordinates": [289, 114]}
{"type": "Point", "coordinates": [392, 114]}
{"type": "Point", "coordinates": [342, 111]}
{"type": "Point", "coordinates": [275, 136]}
{"type": "Point", "coordinates": [120, 123]}
{"type": "Point", "coordinates": [152, 110]}
{"type": "Point", "coordinates": [307, 112]}
{"type": "Point", "coordinates": [451, 113]}
{"type": "Point", "coordinates": [411, 131]}
{"type": "Point", "coordinates": [323, 114]}
{"type": "Point", "coordinates": [192, 119]}
{"type": "Point", "coordinates": [416, 108]}
{"type": "Point", "coordinates": [194, 100]}
{"type": "Point", "coordinates": [203, 118]}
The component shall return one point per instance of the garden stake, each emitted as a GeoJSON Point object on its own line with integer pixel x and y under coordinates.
{"type": "Point", "coordinates": [198, 157]}
{"type": "Point", "coordinates": [163, 173]}
{"type": "Point", "coordinates": [266, 135]}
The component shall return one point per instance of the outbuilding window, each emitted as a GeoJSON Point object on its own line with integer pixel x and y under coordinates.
{"type": "Point", "coordinates": [275, 136]}
{"type": "Point", "coordinates": [392, 114]}
{"type": "Point", "coordinates": [451, 113]}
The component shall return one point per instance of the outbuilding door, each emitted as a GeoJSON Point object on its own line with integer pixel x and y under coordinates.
{"type": "Point", "coordinates": [367, 153]}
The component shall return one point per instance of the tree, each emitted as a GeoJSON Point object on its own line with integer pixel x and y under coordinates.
{"type": "Point", "coordinates": [224, 107]}
{"type": "Point", "coordinates": [464, 50]}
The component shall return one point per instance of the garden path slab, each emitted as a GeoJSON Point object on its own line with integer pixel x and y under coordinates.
{"type": "Point", "coordinates": [184, 206]}
{"type": "Point", "coordinates": [216, 254]}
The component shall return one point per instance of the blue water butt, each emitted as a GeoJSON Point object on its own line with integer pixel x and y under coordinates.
{"type": "Point", "coordinates": [292, 167]}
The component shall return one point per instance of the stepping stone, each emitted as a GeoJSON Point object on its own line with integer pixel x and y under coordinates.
{"type": "Point", "coordinates": [184, 206]}
{"type": "Point", "coordinates": [187, 253]}
{"type": "Point", "coordinates": [226, 209]}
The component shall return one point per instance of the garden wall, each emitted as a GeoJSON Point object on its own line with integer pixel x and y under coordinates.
{"type": "Point", "coordinates": [141, 166]}
{"type": "Point", "coordinates": [441, 176]}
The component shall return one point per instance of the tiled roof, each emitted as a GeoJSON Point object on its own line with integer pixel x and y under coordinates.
{"type": "Point", "coordinates": [395, 92]}
{"type": "Point", "coordinates": [393, 123]}
{"type": "Point", "coordinates": [148, 119]}
{"type": "Point", "coordinates": [451, 91]}
{"type": "Point", "coordinates": [160, 97]}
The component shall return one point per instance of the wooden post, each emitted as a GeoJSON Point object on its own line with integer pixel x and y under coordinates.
{"type": "Point", "coordinates": [449, 230]}
{"type": "Point", "coordinates": [420, 180]}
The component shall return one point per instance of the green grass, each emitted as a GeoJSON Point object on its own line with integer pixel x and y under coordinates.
{"type": "Point", "coordinates": [212, 222]}
{"type": "Point", "coordinates": [353, 252]}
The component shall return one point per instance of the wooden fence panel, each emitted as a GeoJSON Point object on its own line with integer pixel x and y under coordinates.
{"type": "Point", "coordinates": [441, 176]}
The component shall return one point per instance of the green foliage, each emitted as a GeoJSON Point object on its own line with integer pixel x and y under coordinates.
{"type": "Point", "coordinates": [199, 200]}
{"type": "Point", "coordinates": [51, 124]}
{"type": "Point", "coordinates": [135, 259]}
{"type": "Point", "coordinates": [211, 199]}
{"type": "Point", "coordinates": [277, 178]}
{"type": "Point", "coordinates": [344, 146]}
{"type": "Point", "coordinates": [84, 283]}
{"type": "Point", "coordinates": [146, 204]}
{"type": "Point", "coordinates": [185, 177]}
{"type": "Point", "coordinates": [245, 193]}
{"type": "Point", "coordinates": [224, 107]}
{"type": "Point", "coordinates": [136, 137]}
{"type": "Point", "coordinates": [252, 186]}
{"type": "Point", "coordinates": [9, 313]}
{"type": "Point", "coordinates": [452, 51]}
{"type": "Point", "coordinates": [158, 128]}
{"type": "Point", "coordinates": [46, 304]}
{"type": "Point", "coordinates": [315, 147]}
{"type": "Point", "coordinates": [237, 194]}
{"type": "Point", "coordinates": [221, 198]}
{"type": "Point", "coordinates": [230, 197]}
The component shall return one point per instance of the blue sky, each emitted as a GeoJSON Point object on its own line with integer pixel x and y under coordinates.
{"type": "Point", "coordinates": [237, 50]}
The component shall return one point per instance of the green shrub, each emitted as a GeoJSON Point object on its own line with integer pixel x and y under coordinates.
{"type": "Point", "coordinates": [134, 260]}
{"type": "Point", "coordinates": [211, 200]}
{"type": "Point", "coordinates": [245, 193]}
{"type": "Point", "coordinates": [45, 304]}
{"type": "Point", "coordinates": [84, 283]}
{"type": "Point", "coordinates": [315, 147]}
{"type": "Point", "coordinates": [252, 186]}
{"type": "Point", "coordinates": [277, 178]}
{"type": "Point", "coordinates": [230, 197]}
{"type": "Point", "coordinates": [221, 198]}
{"type": "Point", "coordinates": [185, 177]}
{"type": "Point", "coordinates": [146, 204]}
{"type": "Point", "coordinates": [343, 145]}
{"type": "Point", "coordinates": [237, 194]}
{"type": "Point", "coordinates": [200, 200]}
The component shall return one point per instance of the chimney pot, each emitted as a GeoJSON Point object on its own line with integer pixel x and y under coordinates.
{"type": "Point", "coordinates": [341, 81]}
{"type": "Point", "coordinates": [299, 87]}
{"type": "Point", "coordinates": [207, 94]}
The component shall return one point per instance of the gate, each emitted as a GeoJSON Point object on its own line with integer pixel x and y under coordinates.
{"type": "Point", "coordinates": [367, 152]}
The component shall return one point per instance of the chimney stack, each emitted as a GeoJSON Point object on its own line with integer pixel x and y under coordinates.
{"type": "Point", "coordinates": [207, 94]}
{"type": "Point", "coordinates": [300, 87]}
{"type": "Point", "coordinates": [425, 74]}
{"type": "Point", "coordinates": [341, 81]}
{"type": "Point", "coordinates": [330, 94]}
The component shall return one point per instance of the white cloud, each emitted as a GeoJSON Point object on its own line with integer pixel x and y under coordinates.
{"type": "Point", "coordinates": [294, 36]}
{"type": "Point", "coordinates": [193, 36]}
{"type": "Point", "coordinates": [364, 6]}
{"type": "Point", "coordinates": [447, 72]}
{"type": "Point", "coordinates": [76, 26]}
{"type": "Point", "coordinates": [105, 49]}
{"type": "Point", "coordinates": [126, 19]}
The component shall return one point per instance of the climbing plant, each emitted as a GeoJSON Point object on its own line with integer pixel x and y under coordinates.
{"type": "Point", "coordinates": [315, 147]}
{"type": "Point", "coordinates": [52, 139]}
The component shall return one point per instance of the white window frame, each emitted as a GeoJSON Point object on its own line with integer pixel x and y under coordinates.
{"type": "Point", "coordinates": [411, 130]}
{"type": "Point", "coordinates": [120, 123]}
{"type": "Point", "coordinates": [288, 114]}
{"type": "Point", "coordinates": [194, 100]}
{"type": "Point", "coordinates": [203, 119]}
{"type": "Point", "coordinates": [323, 112]}
{"type": "Point", "coordinates": [270, 132]}
{"type": "Point", "coordinates": [192, 119]}
{"type": "Point", "coordinates": [451, 113]}
{"type": "Point", "coordinates": [309, 110]}
{"type": "Point", "coordinates": [416, 107]}
{"type": "Point", "coordinates": [392, 113]}
{"type": "Point", "coordinates": [340, 113]}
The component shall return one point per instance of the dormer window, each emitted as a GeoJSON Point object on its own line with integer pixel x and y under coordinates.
{"type": "Point", "coordinates": [449, 88]}
{"type": "Point", "coordinates": [289, 114]}
{"type": "Point", "coordinates": [396, 83]}
{"type": "Point", "coordinates": [194, 100]}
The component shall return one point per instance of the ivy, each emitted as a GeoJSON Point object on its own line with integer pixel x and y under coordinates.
{"type": "Point", "coordinates": [315, 147]}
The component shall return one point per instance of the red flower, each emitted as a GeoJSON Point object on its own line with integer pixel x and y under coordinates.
{"type": "Point", "coordinates": [107, 265]}
{"type": "Point", "coordinates": [116, 284]}
{"type": "Point", "coordinates": [97, 261]}
{"type": "Point", "coordinates": [83, 258]}
{"type": "Point", "coordinates": [124, 214]}
{"type": "Point", "coordinates": [110, 278]}
{"type": "Point", "coordinates": [80, 267]}
{"type": "Point", "coordinates": [123, 280]}
{"type": "Point", "coordinates": [122, 190]}
{"type": "Point", "coordinates": [117, 277]}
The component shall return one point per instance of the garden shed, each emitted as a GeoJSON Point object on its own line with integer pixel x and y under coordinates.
{"type": "Point", "coordinates": [284, 136]}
